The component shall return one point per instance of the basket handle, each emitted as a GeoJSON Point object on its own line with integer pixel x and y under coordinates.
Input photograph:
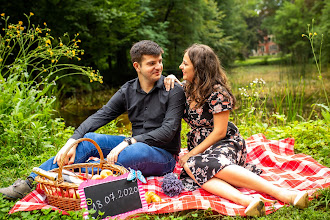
{"type": "Point", "coordinates": [60, 168]}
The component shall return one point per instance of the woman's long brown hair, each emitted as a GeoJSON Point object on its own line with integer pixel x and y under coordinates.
{"type": "Point", "coordinates": [208, 73]}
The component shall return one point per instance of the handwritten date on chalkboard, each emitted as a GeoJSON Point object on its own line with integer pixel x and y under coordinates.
{"type": "Point", "coordinates": [115, 196]}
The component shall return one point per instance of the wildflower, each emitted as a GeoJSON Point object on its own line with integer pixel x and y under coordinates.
{"type": "Point", "coordinates": [91, 80]}
{"type": "Point", "coordinates": [73, 52]}
{"type": "Point", "coordinates": [31, 14]}
{"type": "Point", "coordinates": [22, 28]}
{"type": "Point", "coordinates": [315, 33]}
{"type": "Point", "coordinates": [303, 35]}
{"type": "Point", "coordinates": [53, 61]}
{"type": "Point", "coordinates": [20, 22]}
{"type": "Point", "coordinates": [79, 58]}
{"type": "Point", "coordinates": [37, 29]}
{"type": "Point", "coordinates": [48, 41]}
{"type": "Point", "coordinates": [61, 44]}
{"type": "Point", "coordinates": [310, 34]}
{"type": "Point", "coordinates": [77, 34]}
{"type": "Point", "coordinates": [82, 53]}
{"type": "Point", "coordinates": [3, 15]}
{"type": "Point", "coordinates": [45, 23]}
{"type": "Point", "coordinates": [9, 26]}
{"type": "Point", "coordinates": [1, 59]}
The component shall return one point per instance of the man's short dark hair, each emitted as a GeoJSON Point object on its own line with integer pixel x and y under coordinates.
{"type": "Point", "coordinates": [144, 47]}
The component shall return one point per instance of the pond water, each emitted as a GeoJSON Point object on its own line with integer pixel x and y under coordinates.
{"type": "Point", "coordinates": [279, 81]}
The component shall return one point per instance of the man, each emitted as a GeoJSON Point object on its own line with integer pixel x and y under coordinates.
{"type": "Point", "coordinates": [155, 115]}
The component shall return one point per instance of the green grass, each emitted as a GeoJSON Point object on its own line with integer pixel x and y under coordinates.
{"type": "Point", "coordinates": [311, 134]}
{"type": "Point", "coordinates": [262, 60]}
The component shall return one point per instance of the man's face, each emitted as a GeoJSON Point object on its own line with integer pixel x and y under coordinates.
{"type": "Point", "coordinates": [150, 69]}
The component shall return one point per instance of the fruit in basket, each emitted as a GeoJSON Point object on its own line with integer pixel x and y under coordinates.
{"type": "Point", "coordinates": [71, 193]}
{"type": "Point", "coordinates": [152, 197]}
{"type": "Point", "coordinates": [97, 177]}
{"type": "Point", "coordinates": [105, 173]}
{"type": "Point", "coordinates": [82, 176]}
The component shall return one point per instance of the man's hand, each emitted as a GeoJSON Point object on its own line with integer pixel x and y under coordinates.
{"type": "Point", "coordinates": [112, 157]}
{"type": "Point", "coordinates": [69, 158]}
{"type": "Point", "coordinates": [169, 82]}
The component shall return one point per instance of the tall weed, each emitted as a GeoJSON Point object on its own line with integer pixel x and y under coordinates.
{"type": "Point", "coordinates": [31, 61]}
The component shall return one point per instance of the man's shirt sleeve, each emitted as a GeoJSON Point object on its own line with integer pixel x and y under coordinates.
{"type": "Point", "coordinates": [114, 108]}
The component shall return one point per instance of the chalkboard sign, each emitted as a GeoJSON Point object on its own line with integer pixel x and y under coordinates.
{"type": "Point", "coordinates": [115, 196]}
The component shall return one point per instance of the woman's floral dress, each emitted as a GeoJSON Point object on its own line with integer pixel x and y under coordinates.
{"type": "Point", "coordinates": [229, 150]}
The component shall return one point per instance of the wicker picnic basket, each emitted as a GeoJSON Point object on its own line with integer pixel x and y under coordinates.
{"type": "Point", "coordinates": [59, 193]}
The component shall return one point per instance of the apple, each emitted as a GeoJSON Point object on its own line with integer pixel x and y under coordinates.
{"type": "Point", "coordinates": [71, 193]}
{"type": "Point", "coordinates": [97, 177]}
{"type": "Point", "coordinates": [82, 176]}
{"type": "Point", "coordinates": [105, 173]}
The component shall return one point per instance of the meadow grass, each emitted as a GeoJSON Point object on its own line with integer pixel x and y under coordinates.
{"type": "Point", "coordinates": [311, 136]}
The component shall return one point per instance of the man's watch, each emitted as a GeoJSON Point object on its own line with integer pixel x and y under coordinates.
{"type": "Point", "coordinates": [128, 140]}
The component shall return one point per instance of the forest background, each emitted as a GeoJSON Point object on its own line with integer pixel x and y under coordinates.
{"type": "Point", "coordinates": [44, 44]}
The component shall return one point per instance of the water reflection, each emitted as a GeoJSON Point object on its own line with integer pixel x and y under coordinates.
{"type": "Point", "coordinates": [75, 116]}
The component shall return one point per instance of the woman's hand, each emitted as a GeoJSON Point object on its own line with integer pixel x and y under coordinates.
{"type": "Point", "coordinates": [169, 82]}
{"type": "Point", "coordinates": [69, 158]}
{"type": "Point", "coordinates": [183, 159]}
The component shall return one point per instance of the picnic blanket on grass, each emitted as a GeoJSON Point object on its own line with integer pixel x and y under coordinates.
{"type": "Point", "coordinates": [275, 157]}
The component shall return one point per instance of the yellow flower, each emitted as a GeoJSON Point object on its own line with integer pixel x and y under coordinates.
{"type": "Point", "coordinates": [17, 32]}
{"type": "Point", "coordinates": [31, 14]}
{"type": "Point", "coordinates": [20, 22]}
{"type": "Point", "coordinates": [82, 53]}
{"type": "Point", "coordinates": [9, 26]}
{"type": "Point", "coordinates": [315, 33]}
{"type": "Point", "coordinates": [90, 80]}
{"type": "Point", "coordinates": [53, 61]}
{"type": "Point", "coordinates": [1, 59]}
{"type": "Point", "coordinates": [302, 35]}
{"type": "Point", "coordinates": [22, 28]}
{"type": "Point", "coordinates": [61, 44]}
{"type": "Point", "coordinates": [74, 53]}
{"type": "Point", "coordinates": [45, 70]}
{"type": "Point", "coordinates": [37, 29]}
{"type": "Point", "coordinates": [79, 58]}
{"type": "Point", "coordinates": [310, 34]}
{"type": "Point", "coordinates": [77, 34]}
{"type": "Point", "coordinates": [79, 40]}
{"type": "Point", "coordinates": [3, 15]}
{"type": "Point", "coordinates": [45, 23]}
{"type": "Point", "coordinates": [48, 41]}
{"type": "Point", "coordinates": [51, 53]}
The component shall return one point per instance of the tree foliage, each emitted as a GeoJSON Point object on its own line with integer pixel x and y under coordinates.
{"type": "Point", "coordinates": [108, 28]}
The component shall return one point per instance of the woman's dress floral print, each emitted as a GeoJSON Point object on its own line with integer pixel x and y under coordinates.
{"type": "Point", "coordinates": [229, 150]}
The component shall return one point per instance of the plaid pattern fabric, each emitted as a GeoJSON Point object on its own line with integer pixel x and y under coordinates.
{"type": "Point", "coordinates": [275, 157]}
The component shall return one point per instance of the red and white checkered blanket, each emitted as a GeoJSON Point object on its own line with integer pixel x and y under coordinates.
{"type": "Point", "coordinates": [275, 157]}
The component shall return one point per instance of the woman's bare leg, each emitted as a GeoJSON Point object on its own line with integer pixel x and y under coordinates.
{"type": "Point", "coordinates": [240, 177]}
{"type": "Point", "coordinates": [221, 188]}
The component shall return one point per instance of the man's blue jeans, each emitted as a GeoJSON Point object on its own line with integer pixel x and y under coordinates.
{"type": "Point", "coordinates": [152, 161]}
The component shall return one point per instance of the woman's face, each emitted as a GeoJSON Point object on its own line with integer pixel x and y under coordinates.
{"type": "Point", "coordinates": [187, 68]}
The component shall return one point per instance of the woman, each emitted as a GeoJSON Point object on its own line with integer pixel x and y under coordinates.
{"type": "Point", "coordinates": [217, 151]}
